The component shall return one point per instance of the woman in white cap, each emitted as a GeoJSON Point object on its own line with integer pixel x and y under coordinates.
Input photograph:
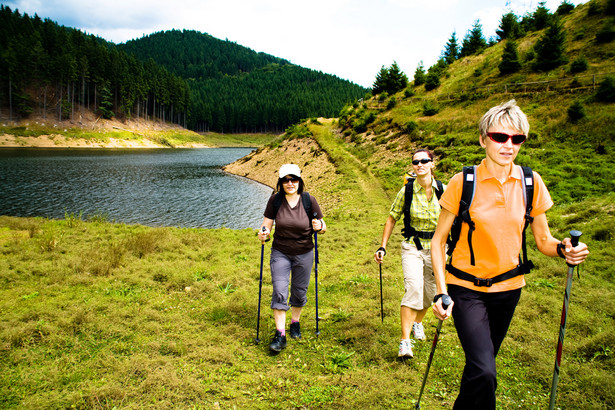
{"type": "Point", "coordinates": [296, 215]}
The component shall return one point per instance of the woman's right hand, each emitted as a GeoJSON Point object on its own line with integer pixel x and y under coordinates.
{"type": "Point", "coordinates": [263, 234]}
{"type": "Point", "coordinates": [379, 255]}
{"type": "Point", "coordinates": [439, 311]}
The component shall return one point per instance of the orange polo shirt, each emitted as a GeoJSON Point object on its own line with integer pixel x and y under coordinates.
{"type": "Point", "coordinates": [498, 211]}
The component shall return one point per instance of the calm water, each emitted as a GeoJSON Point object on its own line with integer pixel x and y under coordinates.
{"type": "Point", "coordinates": [158, 187]}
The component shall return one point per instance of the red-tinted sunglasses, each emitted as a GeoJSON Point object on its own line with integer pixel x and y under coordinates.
{"type": "Point", "coordinates": [501, 138]}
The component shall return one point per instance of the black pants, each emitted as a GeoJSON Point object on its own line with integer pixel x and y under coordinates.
{"type": "Point", "coordinates": [481, 320]}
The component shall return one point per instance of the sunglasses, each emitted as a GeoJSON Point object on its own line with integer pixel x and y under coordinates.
{"type": "Point", "coordinates": [421, 161]}
{"type": "Point", "coordinates": [501, 138]}
{"type": "Point", "coordinates": [292, 179]}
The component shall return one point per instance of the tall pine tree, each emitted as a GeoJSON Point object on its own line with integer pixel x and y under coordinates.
{"type": "Point", "coordinates": [510, 59]}
{"type": "Point", "coordinates": [474, 42]}
{"type": "Point", "coordinates": [550, 48]}
{"type": "Point", "coordinates": [451, 50]}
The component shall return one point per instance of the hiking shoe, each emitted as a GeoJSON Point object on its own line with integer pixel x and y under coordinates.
{"type": "Point", "coordinates": [278, 343]}
{"type": "Point", "coordinates": [405, 348]}
{"type": "Point", "coordinates": [295, 330]}
{"type": "Point", "coordinates": [418, 331]}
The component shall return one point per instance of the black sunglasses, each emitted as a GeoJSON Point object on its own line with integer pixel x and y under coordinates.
{"type": "Point", "coordinates": [501, 138]}
{"type": "Point", "coordinates": [422, 161]}
{"type": "Point", "coordinates": [292, 179]}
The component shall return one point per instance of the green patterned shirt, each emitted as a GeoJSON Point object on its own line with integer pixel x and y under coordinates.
{"type": "Point", "coordinates": [424, 214]}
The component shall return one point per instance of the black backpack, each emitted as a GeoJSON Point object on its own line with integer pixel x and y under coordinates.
{"type": "Point", "coordinates": [463, 216]}
{"type": "Point", "coordinates": [408, 231]}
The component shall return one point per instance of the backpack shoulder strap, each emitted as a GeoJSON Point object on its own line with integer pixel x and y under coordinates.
{"type": "Point", "coordinates": [277, 203]}
{"type": "Point", "coordinates": [527, 177]}
{"type": "Point", "coordinates": [307, 204]}
{"type": "Point", "coordinates": [439, 189]}
{"type": "Point", "coordinates": [463, 215]}
{"type": "Point", "coordinates": [407, 231]}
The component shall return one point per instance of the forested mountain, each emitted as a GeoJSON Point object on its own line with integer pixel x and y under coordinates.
{"type": "Point", "coordinates": [57, 71]}
{"type": "Point", "coordinates": [235, 89]}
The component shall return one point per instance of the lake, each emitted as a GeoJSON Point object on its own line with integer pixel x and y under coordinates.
{"type": "Point", "coordinates": [154, 187]}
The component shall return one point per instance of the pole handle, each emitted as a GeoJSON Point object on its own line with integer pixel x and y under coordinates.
{"type": "Point", "coordinates": [574, 237]}
{"type": "Point", "coordinates": [446, 301]}
{"type": "Point", "coordinates": [264, 229]}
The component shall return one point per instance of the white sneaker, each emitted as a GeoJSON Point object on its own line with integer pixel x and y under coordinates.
{"type": "Point", "coordinates": [405, 348]}
{"type": "Point", "coordinates": [418, 331]}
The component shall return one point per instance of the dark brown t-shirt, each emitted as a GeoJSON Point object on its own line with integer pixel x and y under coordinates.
{"type": "Point", "coordinates": [293, 228]}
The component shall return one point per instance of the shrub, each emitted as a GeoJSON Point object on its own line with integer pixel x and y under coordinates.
{"type": "Point", "coordinates": [579, 65]}
{"type": "Point", "coordinates": [432, 81]}
{"type": "Point", "coordinates": [606, 90]}
{"type": "Point", "coordinates": [576, 112]}
{"type": "Point", "coordinates": [430, 109]}
{"type": "Point", "coordinates": [606, 33]}
{"type": "Point", "coordinates": [392, 103]}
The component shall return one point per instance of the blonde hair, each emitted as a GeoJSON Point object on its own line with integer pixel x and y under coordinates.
{"type": "Point", "coordinates": [506, 114]}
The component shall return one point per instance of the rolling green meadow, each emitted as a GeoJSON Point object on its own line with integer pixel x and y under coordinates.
{"type": "Point", "coordinates": [96, 314]}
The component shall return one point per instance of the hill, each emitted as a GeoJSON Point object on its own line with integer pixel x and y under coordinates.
{"type": "Point", "coordinates": [235, 89]}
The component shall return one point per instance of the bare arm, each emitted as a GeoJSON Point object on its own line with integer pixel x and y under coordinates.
{"type": "Point", "coordinates": [547, 244]}
{"type": "Point", "coordinates": [438, 260]}
{"type": "Point", "coordinates": [386, 234]}
{"type": "Point", "coordinates": [264, 235]}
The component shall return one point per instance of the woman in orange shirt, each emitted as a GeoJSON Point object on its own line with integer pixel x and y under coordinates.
{"type": "Point", "coordinates": [485, 289]}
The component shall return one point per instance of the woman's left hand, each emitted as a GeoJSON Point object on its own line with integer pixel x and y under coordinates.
{"type": "Point", "coordinates": [318, 225]}
{"type": "Point", "coordinates": [576, 255]}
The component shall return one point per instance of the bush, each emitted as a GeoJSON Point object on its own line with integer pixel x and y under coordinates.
{"type": "Point", "coordinates": [579, 65]}
{"type": "Point", "coordinates": [429, 109]}
{"type": "Point", "coordinates": [432, 81]}
{"type": "Point", "coordinates": [606, 90]}
{"type": "Point", "coordinates": [606, 33]}
{"type": "Point", "coordinates": [576, 112]}
{"type": "Point", "coordinates": [392, 103]}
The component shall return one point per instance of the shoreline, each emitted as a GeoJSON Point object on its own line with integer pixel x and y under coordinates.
{"type": "Point", "coordinates": [60, 141]}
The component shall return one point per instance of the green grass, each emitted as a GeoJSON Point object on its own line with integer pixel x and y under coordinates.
{"type": "Point", "coordinates": [104, 315]}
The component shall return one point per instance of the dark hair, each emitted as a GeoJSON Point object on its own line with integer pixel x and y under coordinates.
{"type": "Point", "coordinates": [279, 187]}
{"type": "Point", "coordinates": [429, 154]}
{"type": "Point", "coordinates": [426, 151]}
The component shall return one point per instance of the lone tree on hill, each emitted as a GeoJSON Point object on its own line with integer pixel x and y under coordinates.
{"type": "Point", "coordinates": [474, 42]}
{"type": "Point", "coordinates": [510, 59]}
{"type": "Point", "coordinates": [550, 48]}
{"type": "Point", "coordinates": [390, 80]}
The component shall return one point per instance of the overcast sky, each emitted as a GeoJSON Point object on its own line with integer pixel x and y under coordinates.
{"type": "Point", "coordinates": [351, 39]}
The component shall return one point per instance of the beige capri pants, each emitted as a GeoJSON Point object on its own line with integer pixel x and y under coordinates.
{"type": "Point", "coordinates": [419, 281]}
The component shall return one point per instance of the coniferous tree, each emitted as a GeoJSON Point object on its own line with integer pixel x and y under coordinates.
{"type": "Point", "coordinates": [542, 16]}
{"type": "Point", "coordinates": [509, 27]}
{"type": "Point", "coordinates": [564, 8]}
{"type": "Point", "coordinates": [451, 50]}
{"type": "Point", "coordinates": [390, 80]}
{"type": "Point", "coordinates": [510, 59]}
{"type": "Point", "coordinates": [550, 49]}
{"type": "Point", "coordinates": [474, 41]}
{"type": "Point", "coordinates": [419, 74]}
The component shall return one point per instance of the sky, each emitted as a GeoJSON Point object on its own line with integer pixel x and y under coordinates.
{"type": "Point", "coordinates": [351, 39]}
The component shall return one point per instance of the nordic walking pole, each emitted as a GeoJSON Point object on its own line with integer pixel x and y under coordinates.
{"type": "Point", "coordinates": [381, 304]}
{"type": "Point", "coordinates": [446, 302]}
{"type": "Point", "coordinates": [574, 239]}
{"type": "Point", "coordinates": [260, 287]}
{"type": "Point", "coordinates": [316, 273]}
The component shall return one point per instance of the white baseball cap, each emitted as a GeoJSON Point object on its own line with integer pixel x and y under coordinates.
{"type": "Point", "coordinates": [290, 169]}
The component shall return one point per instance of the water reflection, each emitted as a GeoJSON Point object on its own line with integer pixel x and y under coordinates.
{"type": "Point", "coordinates": [158, 187]}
